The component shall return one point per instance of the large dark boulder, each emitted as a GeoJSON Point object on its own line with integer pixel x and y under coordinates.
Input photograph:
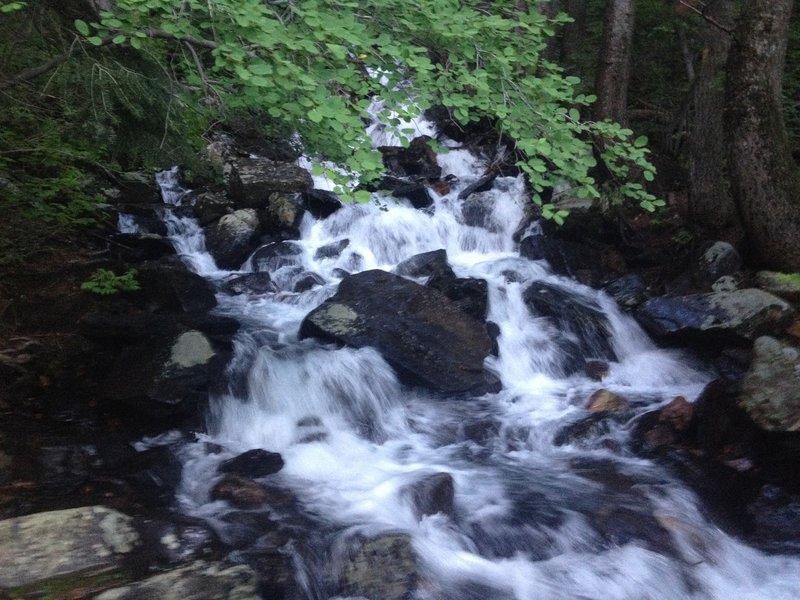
{"type": "Point", "coordinates": [250, 283]}
{"type": "Point", "coordinates": [250, 181]}
{"type": "Point", "coordinates": [469, 294]}
{"type": "Point", "coordinates": [416, 193]}
{"type": "Point", "coordinates": [253, 463]}
{"type": "Point", "coordinates": [321, 203]}
{"type": "Point", "coordinates": [585, 327]}
{"type": "Point", "coordinates": [419, 331]}
{"type": "Point", "coordinates": [418, 160]}
{"type": "Point", "coordinates": [210, 206]}
{"type": "Point", "coordinates": [716, 261]}
{"type": "Point", "coordinates": [171, 287]}
{"type": "Point", "coordinates": [276, 255]}
{"type": "Point", "coordinates": [590, 263]}
{"type": "Point", "coordinates": [734, 315]}
{"type": "Point", "coordinates": [233, 237]}
{"type": "Point", "coordinates": [282, 214]}
{"type": "Point", "coordinates": [163, 378]}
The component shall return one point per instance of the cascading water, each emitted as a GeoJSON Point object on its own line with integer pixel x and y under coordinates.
{"type": "Point", "coordinates": [531, 519]}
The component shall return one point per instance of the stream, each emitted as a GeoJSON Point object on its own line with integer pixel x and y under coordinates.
{"type": "Point", "coordinates": [530, 519]}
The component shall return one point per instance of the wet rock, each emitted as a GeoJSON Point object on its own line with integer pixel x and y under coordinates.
{"type": "Point", "coordinates": [240, 492]}
{"type": "Point", "coordinates": [321, 203]}
{"type": "Point", "coordinates": [596, 370]}
{"type": "Point", "coordinates": [307, 281]}
{"type": "Point", "coordinates": [431, 495]}
{"type": "Point", "coordinates": [250, 181]}
{"type": "Point", "coordinates": [493, 329]}
{"type": "Point", "coordinates": [420, 332]}
{"type": "Point", "coordinates": [417, 160]}
{"type": "Point", "coordinates": [718, 260]}
{"type": "Point", "coordinates": [416, 193]}
{"type": "Point", "coordinates": [484, 184]}
{"type": "Point", "coordinates": [197, 581]}
{"type": "Point", "coordinates": [216, 327]}
{"type": "Point", "coordinates": [282, 214]}
{"type": "Point", "coordinates": [477, 212]}
{"type": "Point", "coordinates": [62, 469]}
{"type": "Point", "coordinates": [776, 519]}
{"type": "Point", "coordinates": [332, 250]}
{"type": "Point", "coordinates": [246, 528]}
{"type": "Point", "coordinates": [783, 285]}
{"type": "Point", "coordinates": [382, 567]}
{"type": "Point", "coordinates": [584, 430]}
{"type": "Point", "coordinates": [138, 247]}
{"type": "Point", "coordinates": [63, 542]}
{"type": "Point", "coordinates": [743, 314]}
{"type": "Point", "coordinates": [253, 463]}
{"type": "Point", "coordinates": [233, 237]}
{"type": "Point", "coordinates": [585, 328]}
{"type": "Point", "coordinates": [154, 474]}
{"type": "Point", "coordinates": [771, 388]}
{"type": "Point", "coordinates": [211, 206]}
{"type": "Point", "coordinates": [629, 291]}
{"type": "Point", "coordinates": [425, 264]}
{"type": "Point", "coordinates": [136, 187]}
{"type": "Point", "coordinates": [126, 327]}
{"type": "Point", "coordinates": [678, 414]}
{"type": "Point", "coordinates": [470, 295]}
{"type": "Point", "coordinates": [621, 525]}
{"type": "Point", "coordinates": [276, 255]}
{"type": "Point", "coordinates": [606, 401]}
{"type": "Point", "coordinates": [167, 542]}
{"type": "Point", "coordinates": [726, 283]}
{"type": "Point", "coordinates": [251, 283]}
{"type": "Point", "coordinates": [591, 264]}
{"type": "Point", "coordinates": [172, 287]}
{"type": "Point", "coordinates": [172, 373]}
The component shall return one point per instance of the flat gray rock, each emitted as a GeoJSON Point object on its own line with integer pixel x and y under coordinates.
{"type": "Point", "coordinates": [56, 543]}
{"type": "Point", "coordinates": [197, 581]}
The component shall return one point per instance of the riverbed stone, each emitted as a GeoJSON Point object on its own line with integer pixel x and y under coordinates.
{"type": "Point", "coordinates": [718, 260]}
{"type": "Point", "coordinates": [250, 181]}
{"type": "Point", "coordinates": [210, 206]}
{"type": "Point", "coordinates": [250, 283]}
{"type": "Point", "coordinates": [418, 330]}
{"type": "Point", "coordinates": [785, 285]}
{"type": "Point", "coordinates": [606, 401]}
{"type": "Point", "coordinates": [744, 314]}
{"type": "Point", "coordinates": [586, 329]}
{"type": "Point", "coordinates": [379, 568]}
{"type": "Point", "coordinates": [253, 463]}
{"type": "Point", "coordinates": [62, 542]}
{"type": "Point", "coordinates": [431, 495]}
{"type": "Point", "coordinates": [197, 581]}
{"type": "Point", "coordinates": [321, 203]}
{"type": "Point", "coordinates": [233, 237]}
{"type": "Point", "coordinates": [771, 388]}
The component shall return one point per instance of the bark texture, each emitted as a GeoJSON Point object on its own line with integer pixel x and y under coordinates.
{"type": "Point", "coordinates": [764, 177]}
{"type": "Point", "coordinates": [711, 202]}
{"type": "Point", "coordinates": [614, 66]}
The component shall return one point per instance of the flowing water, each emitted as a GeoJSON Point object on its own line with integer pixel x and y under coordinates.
{"type": "Point", "coordinates": [531, 519]}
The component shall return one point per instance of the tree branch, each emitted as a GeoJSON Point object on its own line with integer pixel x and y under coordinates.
{"type": "Point", "coordinates": [711, 20]}
{"type": "Point", "coordinates": [34, 72]}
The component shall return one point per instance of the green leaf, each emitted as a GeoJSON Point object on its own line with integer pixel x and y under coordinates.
{"type": "Point", "coordinates": [81, 27]}
{"type": "Point", "coordinates": [118, 39]}
{"type": "Point", "coordinates": [640, 142]}
{"type": "Point", "coordinates": [94, 41]}
{"type": "Point", "coordinates": [362, 196]}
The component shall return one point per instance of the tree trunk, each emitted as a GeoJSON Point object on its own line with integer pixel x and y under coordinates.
{"type": "Point", "coordinates": [575, 32]}
{"type": "Point", "coordinates": [550, 8]}
{"type": "Point", "coordinates": [614, 66]}
{"type": "Point", "coordinates": [711, 204]}
{"type": "Point", "coordinates": [764, 178]}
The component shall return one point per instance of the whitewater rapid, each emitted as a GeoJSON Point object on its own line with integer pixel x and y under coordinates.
{"type": "Point", "coordinates": [354, 438]}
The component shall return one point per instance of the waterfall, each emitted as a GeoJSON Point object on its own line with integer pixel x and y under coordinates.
{"type": "Point", "coordinates": [532, 519]}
